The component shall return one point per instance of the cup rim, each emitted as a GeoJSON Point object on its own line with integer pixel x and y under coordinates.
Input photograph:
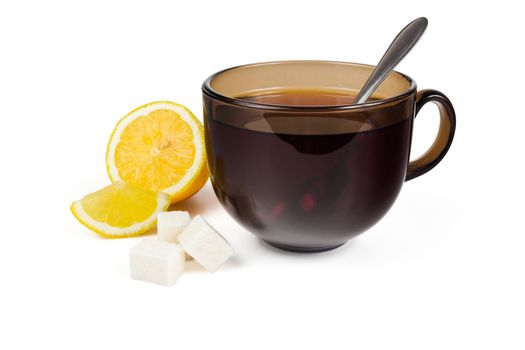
{"type": "Point", "coordinates": [209, 91]}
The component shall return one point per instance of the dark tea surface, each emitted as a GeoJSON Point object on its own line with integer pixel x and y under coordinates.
{"type": "Point", "coordinates": [302, 97]}
{"type": "Point", "coordinates": [301, 124]}
{"type": "Point", "coordinates": [291, 177]}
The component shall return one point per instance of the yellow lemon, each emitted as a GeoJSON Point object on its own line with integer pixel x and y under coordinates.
{"type": "Point", "coordinates": [160, 147]}
{"type": "Point", "coordinates": [120, 210]}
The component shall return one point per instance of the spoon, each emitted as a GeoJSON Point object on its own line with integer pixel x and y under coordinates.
{"type": "Point", "coordinates": [398, 49]}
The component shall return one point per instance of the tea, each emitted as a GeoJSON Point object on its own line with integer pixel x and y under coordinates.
{"type": "Point", "coordinates": [305, 173]}
{"type": "Point", "coordinates": [302, 97]}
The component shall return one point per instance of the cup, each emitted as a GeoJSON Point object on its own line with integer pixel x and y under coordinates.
{"type": "Point", "coordinates": [309, 177]}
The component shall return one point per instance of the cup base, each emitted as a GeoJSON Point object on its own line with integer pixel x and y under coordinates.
{"type": "Point", "coordinates": [297, 249]}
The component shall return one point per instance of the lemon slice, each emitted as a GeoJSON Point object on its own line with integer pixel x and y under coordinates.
{"type": "Point", "coordinates": [120, 210]}
{"type": "Point", "coordinates": [160, 147]}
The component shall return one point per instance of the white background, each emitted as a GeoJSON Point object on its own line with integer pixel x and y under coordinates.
{"type": "Point", "coordinates": [443, 270]}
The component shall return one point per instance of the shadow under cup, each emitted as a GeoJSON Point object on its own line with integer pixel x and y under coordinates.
{"type": "Point", "coordinates": [309, 178]}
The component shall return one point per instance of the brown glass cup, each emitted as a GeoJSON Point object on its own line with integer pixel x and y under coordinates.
{"type": "Point", "coordinates": [320, 182]}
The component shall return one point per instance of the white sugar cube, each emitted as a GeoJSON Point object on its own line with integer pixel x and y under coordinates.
{"type": "Point", "coordinates": [170, 224]}
{"type": "Point", "coordinates": [156, 261]}
{"type": "Point", "coordinates": [204, 244]}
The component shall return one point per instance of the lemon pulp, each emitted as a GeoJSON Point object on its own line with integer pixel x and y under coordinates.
{"type": "Point", "coordinates": [160, 147]}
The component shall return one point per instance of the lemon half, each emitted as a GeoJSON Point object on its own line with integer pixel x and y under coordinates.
{"type": "Point", "coordinates": [120, 210]}
{"type": "Point", "coordinates": [160, 147]}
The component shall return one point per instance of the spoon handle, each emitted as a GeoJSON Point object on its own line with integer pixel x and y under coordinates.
{"type": "Point", "coordinates": [398, 49]}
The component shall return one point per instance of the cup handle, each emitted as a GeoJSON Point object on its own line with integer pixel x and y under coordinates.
{"type": "Point", "coordinates": [447, 127]}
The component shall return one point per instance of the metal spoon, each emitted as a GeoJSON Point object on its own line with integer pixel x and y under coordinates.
{"type": "Point", "coordinates": [398, 49]}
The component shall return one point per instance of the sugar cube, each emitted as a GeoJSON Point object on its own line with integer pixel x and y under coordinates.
{"type": "Point", "coordinates": [170, 224]}
{"type": "Point", "coordinates": [156, 261]}
{"type": "Point", "coordinates": [204, 244]}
